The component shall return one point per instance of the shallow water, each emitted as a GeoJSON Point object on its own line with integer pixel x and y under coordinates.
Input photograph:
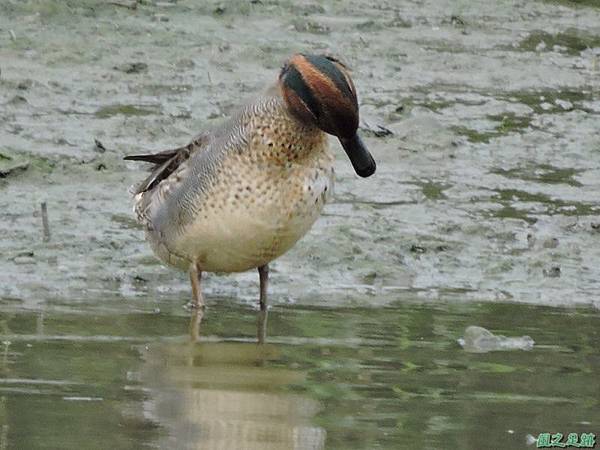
{"type": "Point", "coordinates": [352, 378]}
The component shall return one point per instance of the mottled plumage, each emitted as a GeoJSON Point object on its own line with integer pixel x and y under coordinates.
{"type": "Point", "coordinates": [241, 195]}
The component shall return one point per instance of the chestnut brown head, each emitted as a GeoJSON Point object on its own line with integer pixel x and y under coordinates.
{"type": "Point", "coordinates": [318, 90]}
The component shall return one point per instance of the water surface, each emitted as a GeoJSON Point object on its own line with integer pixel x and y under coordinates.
{"type": "Point", "coordinates": [350, 378]}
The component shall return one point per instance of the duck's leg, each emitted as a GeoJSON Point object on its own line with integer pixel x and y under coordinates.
{"type": "Point", "coordinates": [263, 274]}
{"type": "Point", "coordinates": [261, 326]}
{"type": "Point", "coordinates": [196, 280]}
{"type": "Point", "coordinates": [195, 321]}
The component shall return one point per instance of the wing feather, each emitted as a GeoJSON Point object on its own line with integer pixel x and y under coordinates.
{"type": "Point", "coordinates": [165, 163]}
{"type": "Point", "coordinates": [168, 170]}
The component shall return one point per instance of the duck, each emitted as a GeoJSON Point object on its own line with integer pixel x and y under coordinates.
{"type": "Point", "coordinates": [239, 196]}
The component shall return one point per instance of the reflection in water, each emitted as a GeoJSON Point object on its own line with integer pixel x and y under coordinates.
{"type": "Point", "coordinates": [198, 314]}
{"type": "Point", "coordinates": [195, 322]}
{"type": "Point", "coordinates": [216, 395]}
{"type": "Point", "coordinates": [355, 378]}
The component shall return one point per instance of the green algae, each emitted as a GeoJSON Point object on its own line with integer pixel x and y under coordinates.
{"type": "Point", "coordinates": [572, 40]}
{"type": "Point", "coordinates": [576, 3]}
{"type": "Point", "coordinates": [510, 122]}
{"type": "Point", "coordinates": [13, 163]}
{"type": "Point", "coordinates": [432, 190]}
{"type": "Point", "coordinates": [438, 105]}
{"type": "Point", "coordinates": [550, 99]}
{"type": "Point", "coordinates": [125, 110]}
{"type": "Point", "coordinates": [506, 124]}
{"type": "Point", "coordinates": [543, 173]}
{"type": "Point", "coordinates": [310, 26]}
{"type": "Point", "coordinates": [474, 136]}
{"type": "Point", "coordinates": [55, 10]}
{"type": "Point", "coordinates": [553, 206]}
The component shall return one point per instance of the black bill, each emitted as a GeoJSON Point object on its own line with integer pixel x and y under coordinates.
{"type": "Point", "coordinates": [362, 161]}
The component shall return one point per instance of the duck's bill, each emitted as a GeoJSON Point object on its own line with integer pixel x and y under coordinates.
{"type": "Point", "coordinates": [362, 161]}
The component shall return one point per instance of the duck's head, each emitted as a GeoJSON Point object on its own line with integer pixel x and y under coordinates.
{"type": "Point", "coordinates": [318, 90]}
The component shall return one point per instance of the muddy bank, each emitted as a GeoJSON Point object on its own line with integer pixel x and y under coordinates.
{"type": "Point", "coordinates": [487, 186]}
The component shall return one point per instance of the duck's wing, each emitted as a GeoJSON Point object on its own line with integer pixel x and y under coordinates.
{"type": "Point", "coordinates": [169, 170]}
{"type": "Point", "coordinates": [166, 163]}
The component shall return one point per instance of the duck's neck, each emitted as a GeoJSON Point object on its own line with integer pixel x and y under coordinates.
{"type": "Point", "coordinates": [276, 135]}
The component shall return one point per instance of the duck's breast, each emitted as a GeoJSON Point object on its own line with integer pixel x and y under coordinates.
{"type": "Point", "coordinates": [256, 214]}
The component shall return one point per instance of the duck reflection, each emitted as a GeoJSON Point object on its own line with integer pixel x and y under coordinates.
{"type": "Point", "coordinates": [227, 395]}
{"type": "Point", "coordinates": [198, 315]}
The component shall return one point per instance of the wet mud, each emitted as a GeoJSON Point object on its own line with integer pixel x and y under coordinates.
{"type": "Point", "coordinates": [487, 183]}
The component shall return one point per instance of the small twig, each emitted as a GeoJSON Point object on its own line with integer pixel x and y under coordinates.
{"type": "Point", "coordinates": [380, 131]}
{"type": "Point", "coordinates": [45, 225]}
{"type": "Point", "coordinates": [130, 5]}
{"type": "Point", "coordinates": [209, 79]}
{"type": "Point", "coordinates": [408, 149]}
{"type": "Point", "coordinates": [99, 146]}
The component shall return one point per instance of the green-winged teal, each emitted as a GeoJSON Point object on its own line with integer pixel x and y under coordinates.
{"type": "Point", "coordinates": [241, 195]}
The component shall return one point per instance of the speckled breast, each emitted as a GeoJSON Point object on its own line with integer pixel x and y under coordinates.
{"type": "Point", "coordinates": [267, 196]}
